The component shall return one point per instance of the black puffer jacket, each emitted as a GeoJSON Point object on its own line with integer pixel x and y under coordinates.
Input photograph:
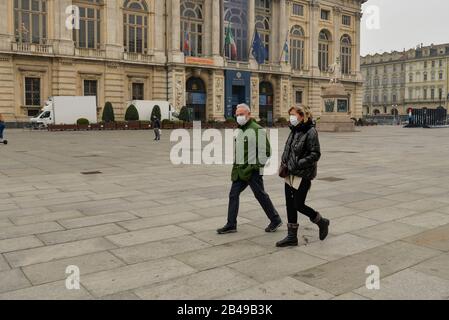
{"type": "Point", "coordinates": [302, 151]}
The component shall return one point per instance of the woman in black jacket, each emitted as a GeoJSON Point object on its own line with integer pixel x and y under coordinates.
{"type": "Point", "coordinates": [299, 168]}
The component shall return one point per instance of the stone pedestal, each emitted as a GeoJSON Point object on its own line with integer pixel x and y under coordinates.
{"type": "Point", "coordinates": [335, 123]}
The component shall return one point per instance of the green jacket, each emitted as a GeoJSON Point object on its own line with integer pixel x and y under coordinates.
{"type": "Point", "coordinates": [243, 170]}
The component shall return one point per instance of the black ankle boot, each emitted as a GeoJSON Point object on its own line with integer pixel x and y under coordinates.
{"type": "Point", "coordinates": [292, 238]}
{"type": "Point", "coordinates": [323, 225]}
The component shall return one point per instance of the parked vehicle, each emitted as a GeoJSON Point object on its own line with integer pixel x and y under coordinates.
{"type": "Point", "coordinates": [145, 108]}
{"type": "Point", "coordinates": [66, 110]}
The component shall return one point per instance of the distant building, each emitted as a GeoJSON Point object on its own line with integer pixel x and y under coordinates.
{"type": "Point", "coordinates": [397, 81]}
{"type": "Point", "coordinates": [180, 51]}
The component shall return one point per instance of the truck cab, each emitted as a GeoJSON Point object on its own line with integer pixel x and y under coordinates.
{"type": "Point", "coordinates": [45, 117]}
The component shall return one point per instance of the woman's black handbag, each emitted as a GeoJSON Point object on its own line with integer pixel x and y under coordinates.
{"type": "Point", "coordinates": [283, 171]}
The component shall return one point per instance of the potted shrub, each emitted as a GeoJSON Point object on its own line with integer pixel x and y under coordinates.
{"type": "Point", "coordinates": [184, 114]}
{"type": "Point", "coordinates": [167, 124]}
{"type": "Point", "coordinates": [230, 123]}
{"type": "Point", "coordinates": [178, 124]}
{"type": "Point", "coordinates": [263, 122]}
{"type": "Point", "coordinates": [281, 122]}
{"type": "Point", "coordinates": [132, 118]}
{"type": "Point", "coordinates": [108, 117]}
{"type": "Point", "coordinates": [82, 124]}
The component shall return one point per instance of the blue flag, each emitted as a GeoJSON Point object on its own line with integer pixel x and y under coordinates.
{"type": "Point", "coordinates": [259, 52]}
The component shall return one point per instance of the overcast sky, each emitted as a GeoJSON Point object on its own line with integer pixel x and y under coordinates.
{"type": "Point", "coordinates": [404, 24]}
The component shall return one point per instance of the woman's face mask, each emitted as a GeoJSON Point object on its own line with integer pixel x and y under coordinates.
{"type": "Point", "coordinates": [294, 120]}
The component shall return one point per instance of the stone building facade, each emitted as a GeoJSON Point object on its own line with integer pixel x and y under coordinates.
{"type": "Point", "coordinates": [177, 51]}
{"type": "Point", "coordinates": [398, 81]}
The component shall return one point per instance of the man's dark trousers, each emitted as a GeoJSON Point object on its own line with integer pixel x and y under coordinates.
{"type": "Point", "coordinates": [256, 185]}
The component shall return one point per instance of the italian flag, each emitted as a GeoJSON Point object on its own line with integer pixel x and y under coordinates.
{"type": "Point", "coordinates": [229, 41]}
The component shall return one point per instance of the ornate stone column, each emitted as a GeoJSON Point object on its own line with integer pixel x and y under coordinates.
{"type": "Point", "coordinates": [314, 18]}
{"type": "Point", "coordinates": [60, 35]}
{"type": "Point", "coordinates": [176, 54]}
{"type": "Point", "coordinates": [336, 34]}
{"type": "Point", "coordinates": [6, 25]}
{"type": "Point", "coordinates": [356, 53]}
{"type": "Point", "coordinates": [114, 33]}
{"type": "Point", "coordinates": [216, 32]}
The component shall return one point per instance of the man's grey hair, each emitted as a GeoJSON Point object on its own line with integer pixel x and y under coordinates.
{"type": "Point", "coordinates": [244, 106]}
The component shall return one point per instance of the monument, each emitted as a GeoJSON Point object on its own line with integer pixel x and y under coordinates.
{"type": "Point", "coordinates": [336, 116]}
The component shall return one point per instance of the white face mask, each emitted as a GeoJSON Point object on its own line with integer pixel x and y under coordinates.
{"type": "Point", "coordinates": [241, 120]}
{"type": "Point", "coordinates": [294, 121]}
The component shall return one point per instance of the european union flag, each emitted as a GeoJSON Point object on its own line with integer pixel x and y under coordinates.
{"type": "Point", "coordinates": [259, 52]}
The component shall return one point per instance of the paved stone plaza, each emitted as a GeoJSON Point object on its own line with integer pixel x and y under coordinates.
{"type": "Point", "coordinates": [145, 229]}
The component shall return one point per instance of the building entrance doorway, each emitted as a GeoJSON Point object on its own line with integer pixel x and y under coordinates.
{"type": "Point", "coordinates": [196, 99]}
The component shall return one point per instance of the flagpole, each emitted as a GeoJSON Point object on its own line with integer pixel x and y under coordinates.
{"type": "Point", "coordinates": [252, 42]}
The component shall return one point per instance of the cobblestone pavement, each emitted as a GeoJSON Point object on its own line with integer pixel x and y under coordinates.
{"type": "Point", "coordinates": [145, 229]}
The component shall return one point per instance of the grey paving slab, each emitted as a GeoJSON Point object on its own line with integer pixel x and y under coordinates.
{"type": "Point", "coordinates": [389, 231]}
{"type": "Point", "coordinates": [44, 217]}
{"type": "Point", "coordinates": [157, 221]}
{"type": "Point", "coordinates": [283, 289]}
{"type": "Point", "coordinates": [56, 270]}
{"type": "Point", "coordinates": [58, 251]}
{"type": "Point", "coordinates": [437, 238]}
{"type": "Point", "coordinates": [339, 246]}
{"type": "Point", "coordinates": [244, 232]}
{"type": "Point", "coordinates": [19, 231]}
{"type": "Point", "coordinates": [51, 291]}
{"type": "Point", "coordinates": [387, 214]}
{"type": "Point", "coordinates": [428, 220]}
{"type": "Point", "coordinates": [350, 296]}
{"type": "Point", "coordinates": [207, 284]}
{"type": "Point", "coordinates": [276, 265]}
{"type": "Point", "coordinates": [15, 244]}
{"type": "Point", "coordinates": [350, 223]}
{"type": "Point", "coordinates": [438, 266]}
{"type": "Point", "coordinates": [147, 235]}
{"type": "Point", "coordinates": [222, 255]}
{"type": "Point", "coordinates": [346, 274]}
{"type": "Point", "coordinates": [205, 224]}
{"type": "Point", "coordinates": [80, 233]}
{"type": "Point", "coordinates": [134, 276]}
{"type": "Point", "coordinates": [160, 249]}
{"type": "Point", "coordinates": [409, 285]}
{"type": "Point", "coordinates": [96, 220]}
{"type": "Point", "coordinates": [13, 280]}
{"type": "Point", "coordinates": [3, 264]}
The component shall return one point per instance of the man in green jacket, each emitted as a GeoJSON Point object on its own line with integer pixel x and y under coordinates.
{"type": "Point", "coordinates": [250, 159]}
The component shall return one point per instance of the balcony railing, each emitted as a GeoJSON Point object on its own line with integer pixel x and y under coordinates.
{"type": "Point", "coordinates": [426, 100]}
{"type": "Point", "coordinates": [237, 64]}
{"type": "Point", "coordinates": [271, 67]}
{"type": "Point", "coordinates": [137, 57]}
{"type": "Point", "coordinates": [93, 53]}
{"type": "Point", "coordinates": [32, 48]}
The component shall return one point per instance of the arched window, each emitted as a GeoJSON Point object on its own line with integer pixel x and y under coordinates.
{"type": "Point", "coordinates": [297, 42]}
{"type": "Point", "coordinates": [192, 20]}
{"type": "Point", "coordinates": [236, 18]}
{"type": "Point", "coordinates": [30, 21]}
{"type": "Point", "coordinates": [89, 33]}
{"type": "Point", "coordinates": [135, 26]}
{"type": "Point", "coordinates": [346, 54]}
{"type": "Point", "coordinates": [323, 50]}
{"type": "Point", "coordinates": [263, 22]}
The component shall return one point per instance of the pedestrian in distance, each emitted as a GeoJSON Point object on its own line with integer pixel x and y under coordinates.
{"type": "Point", "coordinates": [299, 167]}
{"type": "Point", "coordinates": [2, 129]}
{"type": "Point", "coordinates": [156, 125]}
{"type": "Point", "coordinates": [247, 171]}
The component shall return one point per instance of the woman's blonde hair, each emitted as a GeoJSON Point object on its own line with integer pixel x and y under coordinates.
{"type": "Point", "coordinates": [303, 111]}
